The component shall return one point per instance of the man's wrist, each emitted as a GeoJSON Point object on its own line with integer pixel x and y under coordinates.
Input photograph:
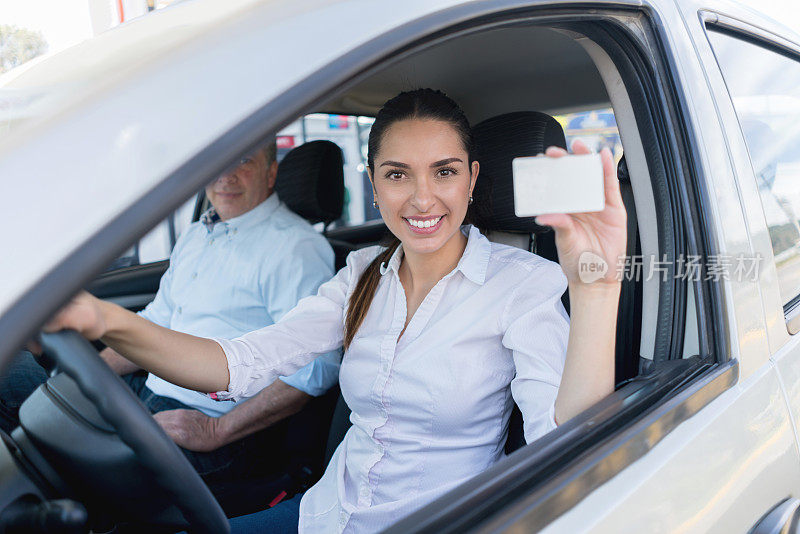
{"type": "Point", "coordinates": [220, 429]}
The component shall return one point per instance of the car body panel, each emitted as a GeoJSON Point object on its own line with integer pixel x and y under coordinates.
{"type": "Point", "coordinates": [710, 474]}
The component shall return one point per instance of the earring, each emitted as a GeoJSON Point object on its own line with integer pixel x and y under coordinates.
{"type": "Point", "coordinates": [375, 204]}
{"type": "Point", "coordinates": [470, 199]}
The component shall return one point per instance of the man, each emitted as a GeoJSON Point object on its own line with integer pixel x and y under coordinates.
{"type": "Point", "coordinates": [241, 267]}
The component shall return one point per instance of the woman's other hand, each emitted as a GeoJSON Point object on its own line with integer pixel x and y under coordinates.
{"type": "Point", "coordinates": [602, 233]}
{"type": "Point", "coordinates": [83, 313]}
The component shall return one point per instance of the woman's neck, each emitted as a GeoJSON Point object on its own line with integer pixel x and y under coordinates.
{"type": "Point", "coordinates": [425, 270]}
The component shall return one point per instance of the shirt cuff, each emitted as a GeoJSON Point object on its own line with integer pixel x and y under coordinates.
{"type": "Point", "coordinates": [238, 364]}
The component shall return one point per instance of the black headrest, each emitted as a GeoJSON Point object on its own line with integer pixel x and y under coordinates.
{"type": "Point", "coordinates": [311, 181]}
{"type": "Point", "coordinates": [498, 141]}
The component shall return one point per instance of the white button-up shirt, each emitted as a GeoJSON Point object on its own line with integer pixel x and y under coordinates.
{"type": "Point", "coordinates": [430, 409]}
{"type": "Point", "coordinates": [226, 278]}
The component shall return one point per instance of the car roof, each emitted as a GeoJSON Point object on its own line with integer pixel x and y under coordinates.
{"type": "Point", "coordinates": [88, 131]}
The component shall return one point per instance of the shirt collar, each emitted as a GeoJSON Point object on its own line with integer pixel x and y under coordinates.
{"type": "Point", "coordinates": [394, 262]}
{"type": "Point", "coordinates": [256, 215]}
{"type": "Point", "coordinates": [473, 263]}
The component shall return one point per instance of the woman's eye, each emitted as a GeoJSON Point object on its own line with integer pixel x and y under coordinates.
{"type": "Point", "coordinates": [394, 175]}
{"type": "Point", "coordinates": [245, 161]}
{"type": "Point", "coordinates": [447, 172]}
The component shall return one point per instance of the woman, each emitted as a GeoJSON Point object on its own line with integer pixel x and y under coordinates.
{"type": "Point", "coordinates": [440, 330]}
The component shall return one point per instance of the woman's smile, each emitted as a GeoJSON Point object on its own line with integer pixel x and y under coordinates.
{"type": "Point", "coordinates": [424, 225]}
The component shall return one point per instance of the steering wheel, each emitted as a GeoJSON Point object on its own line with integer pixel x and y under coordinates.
{"type": "Point", "coordinates": [134, 425]}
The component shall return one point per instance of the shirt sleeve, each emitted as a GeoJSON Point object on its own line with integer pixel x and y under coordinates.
{"type": "Point", "coordinates": [312, 328]}
{"type": "Point", "coordinates": [537, 333]}
{"type": "Point", "coordinates": [303, 267]}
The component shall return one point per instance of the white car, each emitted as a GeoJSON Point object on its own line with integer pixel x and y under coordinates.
{"type": "Point", "coordinates": [101, 142]}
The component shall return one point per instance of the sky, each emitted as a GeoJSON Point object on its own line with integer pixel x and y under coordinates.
{"type": "Point", "coordinates": [62, 22]}
{"type": "Point", "coordinates": [66, 22]}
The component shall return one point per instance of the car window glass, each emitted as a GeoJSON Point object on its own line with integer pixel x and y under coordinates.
{"type": "Point", "coordinates": [765, 88]}
{"type": "Point", "coordinates": [350, 133]}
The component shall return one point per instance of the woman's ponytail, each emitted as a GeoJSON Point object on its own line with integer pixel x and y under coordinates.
{"type": "Point", "coordinates": [365, 289]}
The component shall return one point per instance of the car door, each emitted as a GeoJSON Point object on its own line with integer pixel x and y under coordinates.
{"type": "Point", "coordinates": [735, 461]}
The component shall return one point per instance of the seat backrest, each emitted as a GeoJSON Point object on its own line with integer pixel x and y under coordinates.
{"type": "Point", "coordinates": [498, 141]}
{"type": "Point", "coordinates": [311, 181]}
{"type": "Point", "coordinates": [501, 139]}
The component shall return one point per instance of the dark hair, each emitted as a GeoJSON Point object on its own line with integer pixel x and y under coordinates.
{"type": "Point", "coordinates": [416, 104]}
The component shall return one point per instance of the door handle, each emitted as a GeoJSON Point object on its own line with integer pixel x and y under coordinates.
{"type": "Point", "coordinates": [781, 519]}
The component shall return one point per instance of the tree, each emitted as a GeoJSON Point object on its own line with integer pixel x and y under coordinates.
{"type": "Point", "coordinates": [18, 45]}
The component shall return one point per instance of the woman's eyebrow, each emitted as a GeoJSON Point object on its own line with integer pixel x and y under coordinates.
{"type": "Point", "coordinates": [445, 162]}
{"type": "Point", "coordinates": [395, 164]}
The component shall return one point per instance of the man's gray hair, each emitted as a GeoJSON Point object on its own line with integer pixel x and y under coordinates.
{"type": "Point", "coordinates": [271, 151]}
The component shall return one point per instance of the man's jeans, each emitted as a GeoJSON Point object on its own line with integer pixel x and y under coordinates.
{"type": "Point", "coordinates": [255, 456]}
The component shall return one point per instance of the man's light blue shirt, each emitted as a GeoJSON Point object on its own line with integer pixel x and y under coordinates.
{"type": "Point", "coordinates": [231, 277]}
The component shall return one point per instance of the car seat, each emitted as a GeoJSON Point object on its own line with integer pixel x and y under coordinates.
{"type": "Point", "coordinates": [311, 182]}
{"type": "Point", "coordinates": [527, 133]}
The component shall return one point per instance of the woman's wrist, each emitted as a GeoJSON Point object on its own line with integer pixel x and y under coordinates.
{"type": "Point", "coordinates": [599, 292]}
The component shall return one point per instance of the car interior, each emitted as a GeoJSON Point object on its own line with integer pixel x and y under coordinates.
{"type": "Point", "coordinates": [511, 81]}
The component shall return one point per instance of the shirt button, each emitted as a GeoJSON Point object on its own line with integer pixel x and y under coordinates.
{"type": "Point", "coordinates": [385, 367]}
{"type": "Point", "coordinates": [180, 310]}
{"type": "Point", "coordinates": [211, 241]}
{"type": "Point", "coordinates": [194, 275]}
